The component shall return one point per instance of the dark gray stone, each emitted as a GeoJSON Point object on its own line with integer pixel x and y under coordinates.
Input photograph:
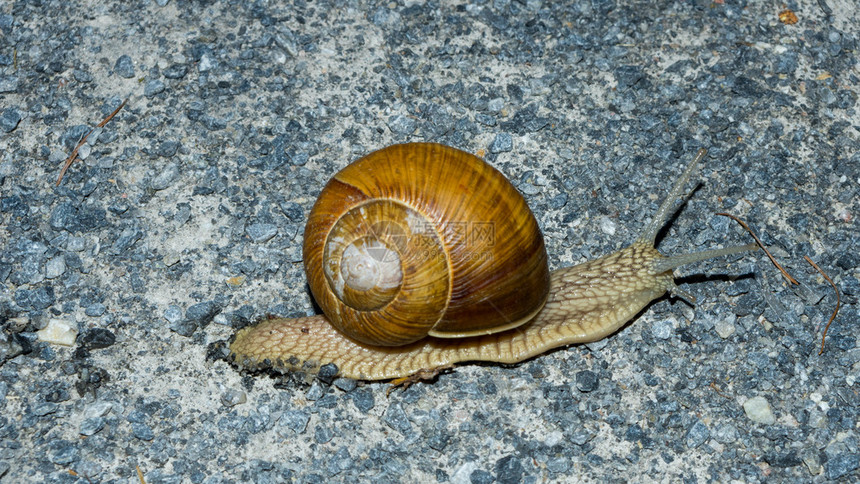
{"type": "Point", "coordinates": [396, 418]}
{"type": "Point", "coordinates": [698, 434]}
{"type": "Point", "coordinates": [124, 67]}
{"type": "Point", "coordinates": [401, 124]}
{"type": "Point", "coordinates": [9, 119]}
{"type": "Point", "coordinates": [96, 338]}
{"type": "Point", "coordinates": [628, 76]}
{"type": "Point", "coordinates": [62, 452]}
{"type": "Point", "coordinates": [142, 431]}
{"type": "Point", "coordinates": [480, 476]}
{"type": "Point", "coordinates": [202, 313]}
{"type": "Point", "coordinates": [166, 177]}
{"type": "Point", "coordinates": [842, 465]}
{"type": "Point", "coordinates": [587, 381]}
{"type": "Point", "coordinates": [502, 143]}
{"type": "Point", "coordinates": [126, 240]}
{"type": "Point", "coordinates": [509, 470]}
{"type": "Point", "coordinates": [261, 232]}
{"type": "Point", "coordinates": [176, 71]}
{"type": "Point", "coordinates": [153, 88]}
{"type": "Point", "coordinates": [295, 420]}
{"type": "Point", "coordinates": [91, 426]}
{"type": "Point", "coordinates": [363, 399]}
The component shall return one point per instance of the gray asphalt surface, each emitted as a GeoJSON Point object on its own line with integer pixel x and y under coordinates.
{"type": "Point", "coordinates": [183, 218]}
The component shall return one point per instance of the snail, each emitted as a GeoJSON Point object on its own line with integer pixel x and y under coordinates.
{"type": "Point", "coordinates": [422, 256]}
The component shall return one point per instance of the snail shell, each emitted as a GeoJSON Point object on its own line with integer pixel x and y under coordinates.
{"type": "Point", "coordinates": [423, 239]}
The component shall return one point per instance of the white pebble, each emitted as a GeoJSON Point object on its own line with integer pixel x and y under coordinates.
{"type": "Point", "coordinates": [663, 328]}
{"type": "Point", "coordinates": [817, 419]}
{"type": "Point", "coordinates": [725, 328]}
{"type": "Point", "coordinates": [207, 63]}
{"type": "Point", "coordinates": [495, 105]}
{"type": "Point", "coordinates": [58, 332]}
{"type": "Point", "coordinates": [758, 410]}
{"type": "Point", "coordinates": [55, 267]}
{"type": "Point", "coordinates": [554, 438]}
{"type": "Point", "coordinates": [84, 151]}
{"type": "Point", "coordinates": [607, 226]}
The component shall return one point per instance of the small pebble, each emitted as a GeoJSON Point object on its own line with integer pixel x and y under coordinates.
{"type": "Point", "coordinates": [232, 397]}
{"type": "Point", "coordinates": [45, 408]}
{"type": "Point", "coordinates": [58, 332]}
{"type": "Point", "coordinates": [168, 148]}
{"type": "Point", "coordinates": [98, 409]}
{"type": "Point", "coordinates": [95, 310]}
{"type": "Point", "coordinates": [608, 226]}
{"type": "Point", "coordinates": [142, 431]}
{"type": "Point", "coordinates": [663, 328]}
{"type": "Point", "coordinates": [202, 313]}
{"type": "Point", "coordinates": [97, 338]}
{"type": "Point", "coordinates": [509, 469]}
{"type": "Point", "coordinates": [9, 119]}
{"type": "Point", "coordinates": [496, 104]}
{"type": "Point", "coordinates": [292, 210]}
{"type": "Point", "coordinates": [363, 400]}
{"type": "Point", "coordinates": [758, 410]}
{"type": "Point", "coordinates": [8, 84]}
{"type": "Point", "coordinates": [323, 434]}
{"type": "Point", "coordinates": [260, 233]}
{"type": "Point", "coordinates": [587, 381]}
{"type": "Point", "coordinates": [725, 327]}
{"type": "Point", "coordinates": [124, 67]}
{"type": "Point", "coordinates": [697, 435]}
{"type": "Point", "coordinates": [62, 452]}
{"type": "Point", "coordinates": [295, 420]}
{"type": "Point", "coordinates": [126, 240]}
{"type": "Point", "coordinates": [91, 426]}
{"type": "Point", "coordinates": [402, 125]}
{"type": "Point", "coordinates": [173, 314]}
{"type": "Point", "coordinates": [558, 201]}
{"type": "Point", "coordinates": [396, 418]}
{"type": "Point", "coordinates": [842, 465]}
{"type": "Point", "coordinates": [153, 87]}
{"type": "Point", "coordinates": [480, 476]}
{"type": "Point", "coordinates": [503, 142]}
{"type": "Point", "coordinates": [165, 178]}
{"type": "Point", "coordinates": [207, 63]}
{"type": "Point", "coordinates": [55, 267]}
{"type": "Point", "coordinates": [176, 71]}
{"type": "Point", "coordinates": [628, 75]}
{"type": "Point", "coordinates": [812, 461]}
{"type": "Point", "coordinates": [817, 419]}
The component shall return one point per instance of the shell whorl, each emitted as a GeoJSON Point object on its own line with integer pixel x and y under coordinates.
{"type": "Point", "coordinates": [450, 248]}
{"type": "Point", "coordinates": [382, 261]}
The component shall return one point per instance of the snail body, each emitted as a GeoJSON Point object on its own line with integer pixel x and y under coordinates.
{"type": "Point", "coordinates": [422, 256]}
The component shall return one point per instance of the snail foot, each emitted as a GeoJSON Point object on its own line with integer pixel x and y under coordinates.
{"type": "Point", "coordinates": [424, 374]}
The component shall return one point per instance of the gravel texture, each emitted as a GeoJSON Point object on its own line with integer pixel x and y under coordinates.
{"type": "Point", "coordinates": [182, 221]}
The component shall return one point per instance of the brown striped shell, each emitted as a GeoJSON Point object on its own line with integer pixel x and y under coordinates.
{"type": "Point", "coordinates": [422, 239]}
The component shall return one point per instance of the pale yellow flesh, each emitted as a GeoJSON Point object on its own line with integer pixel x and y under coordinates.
{"type": "Point", "coordinates": [586, 302]}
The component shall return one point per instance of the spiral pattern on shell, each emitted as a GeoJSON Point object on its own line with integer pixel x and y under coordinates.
{"type": "Point", "coordinates": [422, 239]}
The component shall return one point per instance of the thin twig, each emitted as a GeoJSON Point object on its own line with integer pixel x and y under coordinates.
{"type": "Point", "coordinates": [83, 140]}
{"type": "Point", "coordinates": [838, 302]}
{"type": "Point", "coordinates": [759, 242]}
{"type": "Point", "coordinates": [714, 387]}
